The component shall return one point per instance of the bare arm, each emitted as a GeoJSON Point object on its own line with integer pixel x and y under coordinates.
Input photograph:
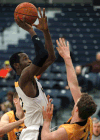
{"type": "Point", "coordinates": [29, 72]}
{"type": "Point", "coordinates": [48, 41]}
{"type": "Point", "coordinates": [6, 127]}
{"type": "Point", "coordinates": [51, 54]}
{"type": "Point", "coordinates": [59, 134]}
{"type": "Point", "coordinates": [71, 75]}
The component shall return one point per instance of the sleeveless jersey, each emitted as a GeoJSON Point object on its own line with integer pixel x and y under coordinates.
{"type": "Point", "coordinates": [32, 106]}
{"type": "Point", "coordinates": [14, 134]}
{"type": "Point", "coordinates": [78, 132]}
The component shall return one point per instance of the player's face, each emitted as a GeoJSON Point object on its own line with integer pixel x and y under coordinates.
{"type": "Point", "coordinates": [24, 60]}
{"type": "Point", "coordinates": [78, 69]}
{"type": "Point", "coordinates": [96, 129]}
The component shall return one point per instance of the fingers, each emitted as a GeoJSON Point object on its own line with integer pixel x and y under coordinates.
{"type": "Point", "coordinates": [48, 97]}
{"type": "Point", "coordinates": [52, 107]}
{"type": "Point", "coordinates": [61, 43]}
{"type": "Point", "coordinates": [18, 20]}
{"type": "Point", "coordinates": [67, 44]}
{"type": "Point", "coordinates": [43, 12]}
{"type": "Point", "coordinates": [46, 18]}
{"type": "Point", "coordinates": [42, 16]}
{"type": "Point", "coordinates": [40, 12]}
{"type": "Point", "coordinates": [58, 43]}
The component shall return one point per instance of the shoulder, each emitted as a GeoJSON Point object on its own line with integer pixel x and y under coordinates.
{"type": "Point", "coordinates": [68, 127]}
{"type": "Point", "coordinates": [5, 118]}
{"type": "Point", "coordinates": [10, 112]}
{"type": "Point", "coordinates": [59, 134]}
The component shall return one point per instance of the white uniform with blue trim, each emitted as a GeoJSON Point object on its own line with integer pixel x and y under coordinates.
{"type": "Point", "coordinates": [33, 115]}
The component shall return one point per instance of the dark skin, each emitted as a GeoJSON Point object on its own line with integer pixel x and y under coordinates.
{"type": "Point", "coordinates": [26, 69]}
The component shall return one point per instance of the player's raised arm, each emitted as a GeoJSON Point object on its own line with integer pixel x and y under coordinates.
{"type": "Point", "coordinates": [59, 134]}
{"type": "Point", "coordinates": [64, 52]}
{"type": "Point", "coordinates": [41, 55]}
{"type": "Point", "coordinates": [43, 26]}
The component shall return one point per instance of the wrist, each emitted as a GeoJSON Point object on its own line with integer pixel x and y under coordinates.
{"type": "Point", "coordinates": [46, 120]}
{"type": "Point", "coordinates": [46, 123]}
{"type": "Point", "coordinates": [32, 32]}
{"type": "Point", "coordinates": [66, 57]}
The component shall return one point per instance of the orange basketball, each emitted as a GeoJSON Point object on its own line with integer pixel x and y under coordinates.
{"type": "Point", "coordinates": [27, 9]}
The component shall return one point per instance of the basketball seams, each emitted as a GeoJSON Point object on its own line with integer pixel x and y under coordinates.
{"type": "Point", "coordinates": [24, 7]}
{"type": "Point", "coordinates": [25, 14]}
{"type": "Point", "coordinates": [30, 12]}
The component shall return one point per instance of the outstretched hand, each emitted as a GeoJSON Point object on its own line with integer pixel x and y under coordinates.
{"type": "Point", "coordinates": [62, 49]}
{"type": "Point", "coordinates": [43, 26]}
{"type": "Point", "coordinates": [48, 114]}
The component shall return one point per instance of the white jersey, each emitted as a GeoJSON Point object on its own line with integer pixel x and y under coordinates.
{"type": "Point", "coordinates": [33, 110]}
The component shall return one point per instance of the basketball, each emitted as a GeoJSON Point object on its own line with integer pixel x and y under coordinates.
{"type": "Point", "coordinates": [27, 9]}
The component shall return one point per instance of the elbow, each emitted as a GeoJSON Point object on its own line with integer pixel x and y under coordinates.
{"type": "Point", "coordinates": [52, 59]}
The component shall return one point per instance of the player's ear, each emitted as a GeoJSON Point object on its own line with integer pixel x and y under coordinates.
{"type": "Point", "coordinates": [16, 65]}
{"type": "Point", "coordinates": [15, 100]}
{"type": "Point", "coordinates": [76, 109]}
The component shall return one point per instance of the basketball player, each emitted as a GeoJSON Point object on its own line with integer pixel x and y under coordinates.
{"type": "Point", "coordinates": [28, 88]}
{"type": "Point", "coordinates": [79, 126]}
{"type": "Point", "coordinates": [12, 122]}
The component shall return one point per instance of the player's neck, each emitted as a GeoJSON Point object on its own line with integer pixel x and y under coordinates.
{"type": "Point", "coordinates": [19, 113]}
{"type": "Point", "coordinates": [75, 118]}
{"type": "Point", "coordinates": [18, 72]}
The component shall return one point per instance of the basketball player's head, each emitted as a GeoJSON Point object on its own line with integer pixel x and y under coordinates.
{"type": "Point", "coordinates": [96, 128]}
{"type": "Point", "coordinates": [85, 107]}
{"type": "Point", "coordinates": [19, 109]}
{"type": "Point", "coordinates": [19, 61]}
{"type": "Point", "coordinates": [15, 98]}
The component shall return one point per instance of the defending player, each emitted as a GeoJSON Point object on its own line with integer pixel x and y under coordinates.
{"type": "Point", "coordinates": [79, 126]}
{"type": "Point", "coordinates": [28, 88]}
{"type": "Point", "coordinates": [12, 122]}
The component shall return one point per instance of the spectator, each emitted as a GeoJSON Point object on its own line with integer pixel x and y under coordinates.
{"type": "Point", "coordinates": [6, 71]}
{"type": "Point", "coordinates": [83, 82]}
{"type": "Point", "coordinates": [10, 98]}
{"type": "Point", "coordinates": [94, 118]}
{"type": "Point", "coordinates": [94, 67]}
{"type": "Point", "coordinates": [12, 122]}
{"type": "Point", "coordinates": [96, 130]}
{"type": "Point", "coordinates": [6, 106]}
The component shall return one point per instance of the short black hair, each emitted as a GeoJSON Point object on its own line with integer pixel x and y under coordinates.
{"type": "Point", "coordinates": [14, 59]}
